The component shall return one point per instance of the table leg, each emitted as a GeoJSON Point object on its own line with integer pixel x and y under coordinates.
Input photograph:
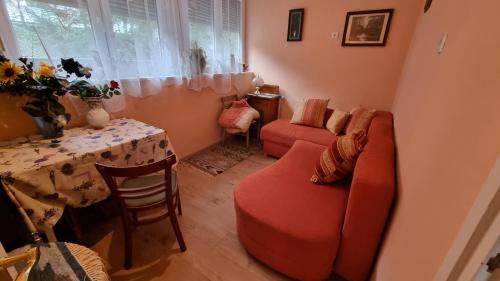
{"type": "Point", "coordinates": [75, 224]}
{"type": "Point", "coordinates": [51, 236]}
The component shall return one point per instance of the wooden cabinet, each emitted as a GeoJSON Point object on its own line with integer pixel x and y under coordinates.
{"type": "Point", "coordinates": [267, 103]}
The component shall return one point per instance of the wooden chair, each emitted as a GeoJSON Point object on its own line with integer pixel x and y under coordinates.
{"type": "Point", "coordinates": [145, 196]}
{"type": "Point", "coordinates": [226, 103]}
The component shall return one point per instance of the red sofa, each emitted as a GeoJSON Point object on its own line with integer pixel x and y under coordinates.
{"type": "Point", "coordinates": [305, 230]}
{"type": "Point", "coordinates": [279, 135]}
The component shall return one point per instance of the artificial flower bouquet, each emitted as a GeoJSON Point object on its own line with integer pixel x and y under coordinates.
{"type": "Point", "coordinates": [43, 85]}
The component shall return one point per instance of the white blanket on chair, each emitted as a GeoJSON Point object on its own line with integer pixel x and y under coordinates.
{"type": "Point", "coordinates": [238, 118]}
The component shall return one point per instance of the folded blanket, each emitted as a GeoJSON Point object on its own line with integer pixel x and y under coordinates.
{"type": "Point", "coordinates": [238, 117]}
{"type": "Point", "coordinates": [65, 261]}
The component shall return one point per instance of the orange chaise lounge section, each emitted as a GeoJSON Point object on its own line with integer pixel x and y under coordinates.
{"type": "Point", "coordinates": [305, 230]}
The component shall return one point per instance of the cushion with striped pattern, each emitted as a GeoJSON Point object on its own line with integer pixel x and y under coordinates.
{"type": "Point", "coordinates": [310, 112]}
{"type": "Point", "coordinates": [360, 119]}
{"type": "Point", "coordinates": [339, 159]}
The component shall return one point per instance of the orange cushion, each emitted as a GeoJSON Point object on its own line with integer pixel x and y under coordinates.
{"type": "Point", "coordinates": [288, 222]}
{"type": "Point", "coordinates": [281, 131]}
{"type": "Point", "coordinates": [337, 121]}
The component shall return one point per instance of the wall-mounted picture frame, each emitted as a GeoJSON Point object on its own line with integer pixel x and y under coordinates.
{"type": "Point", "coordinates": [295, 24]}
{"type": "Point", "coordinates": [367, 28]}
{"type": "Point", "coordinates": [428, 4]}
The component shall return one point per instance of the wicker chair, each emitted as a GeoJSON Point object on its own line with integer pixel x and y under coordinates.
{"type": "Point", "coordinates": [29, 257]}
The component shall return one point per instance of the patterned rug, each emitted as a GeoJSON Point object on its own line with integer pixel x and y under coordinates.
{"type": "Point", "coordinates": [220, 157]}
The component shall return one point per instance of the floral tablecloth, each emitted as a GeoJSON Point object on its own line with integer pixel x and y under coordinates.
{"type": "Point", "coordinates": [43, 176]}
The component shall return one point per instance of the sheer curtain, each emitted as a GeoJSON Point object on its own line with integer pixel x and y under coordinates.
{"type": "Point", "coordinates": [215, 26]}
{"type": "Point", "coordinates": [144, 43]}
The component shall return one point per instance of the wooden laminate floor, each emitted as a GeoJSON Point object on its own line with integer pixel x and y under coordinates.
{"type": "Point", "coordinates": [208, 225]}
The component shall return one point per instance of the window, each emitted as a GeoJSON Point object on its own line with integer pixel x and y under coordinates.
{"type": "Point", "coordinates": [215, 26]}
{"type": "Point", "coordinates": [231, 15]}
{"type": "Point", "coordinates": [201, 23]}
{"type": "Point", "coordinates": [35, 23]}
{"type": "Point", "coordinates": [128, 38]}
{"type": "Point", "coordinates": [136, 38]}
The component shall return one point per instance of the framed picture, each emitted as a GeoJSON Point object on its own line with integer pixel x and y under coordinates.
{"type": "Point", "coordinates": [295, 23]}
{"type": "Point", "coordinates": [427, 6]}
{"type": "Point", "coordinates": [367, 28]}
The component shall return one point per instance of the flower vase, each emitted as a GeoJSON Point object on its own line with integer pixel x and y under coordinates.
{"type": "Point", "coordinates": [97, 117]}
{"type": "Point", "coordinates": [49, 130]}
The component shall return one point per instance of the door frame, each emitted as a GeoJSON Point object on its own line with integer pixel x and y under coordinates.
{"type": "Point", "coordinates": [472, 244]}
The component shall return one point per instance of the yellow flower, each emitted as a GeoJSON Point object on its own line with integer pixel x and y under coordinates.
{"type": "Point", "coordinates": [9, 72]}
{"type": "Point", "coordinates": [45, 70]}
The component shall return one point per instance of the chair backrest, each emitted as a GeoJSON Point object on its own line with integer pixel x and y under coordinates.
{"type": "Point", "coordinates": [110, 173]}
{"type": "Point", "coordinates": [227, 101]}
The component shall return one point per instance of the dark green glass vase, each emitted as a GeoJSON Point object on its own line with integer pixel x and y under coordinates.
{"type": "Point", "coordinates": [48, 129]}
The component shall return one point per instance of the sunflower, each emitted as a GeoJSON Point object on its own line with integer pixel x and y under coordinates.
{"type": "Point", "coordinates": [45, 70]}
{"type": "Point", "coordinates": [9, 72]}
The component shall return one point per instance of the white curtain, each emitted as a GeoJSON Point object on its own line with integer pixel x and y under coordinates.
{"type": "Point", "coordinates": [215, 26]}
{"type": "Point", "coordinates": [141, 42]}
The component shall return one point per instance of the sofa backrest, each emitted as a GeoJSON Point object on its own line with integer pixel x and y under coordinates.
{"type": "Point", "coordinates": [370, 199]}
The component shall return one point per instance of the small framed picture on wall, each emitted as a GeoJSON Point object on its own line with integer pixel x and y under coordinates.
{"type": "Point", "coordinates": [427, 6]}
{"type": "Point", "coordinates": [295, 23]}
{"type": "Point", "coordinates": [367, 28]}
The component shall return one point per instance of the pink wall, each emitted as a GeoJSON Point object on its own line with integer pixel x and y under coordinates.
{"type": "Point", "coordinates": [318, 66]}
{"type": "Point", "coordinates": [189, 117]}
{"type": "Point", "coordinates": [447, 121]}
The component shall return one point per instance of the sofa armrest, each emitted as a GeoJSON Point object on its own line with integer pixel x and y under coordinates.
{"type": "Point", "coordinates": [370, 200]}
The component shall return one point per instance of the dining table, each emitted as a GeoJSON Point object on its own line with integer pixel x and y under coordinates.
{"type": "Point", "coordinates": [43, 176]}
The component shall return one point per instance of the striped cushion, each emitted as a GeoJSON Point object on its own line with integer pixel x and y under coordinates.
{"type": "Point", "coordinates": [337, 121]}
{"type": "Point", "coordinates": [339, 159]}
{"type": "Point", "coordinates": [360, 119]}
{"type": "Point", "coordinates": [310, 112]}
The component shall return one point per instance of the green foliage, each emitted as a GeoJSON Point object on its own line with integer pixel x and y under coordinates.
{"type": "Point", "coordinates": [84, 90]}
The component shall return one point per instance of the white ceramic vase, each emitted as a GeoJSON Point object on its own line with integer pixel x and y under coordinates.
{"type": "Point", "coordinates": [97, 117]}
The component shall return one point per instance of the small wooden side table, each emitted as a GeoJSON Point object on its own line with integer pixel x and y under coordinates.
{"type": "Point", "coordinates": [266, 104]}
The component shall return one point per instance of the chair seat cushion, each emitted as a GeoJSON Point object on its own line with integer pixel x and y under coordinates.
{"type": "Point", "coordinates": [145, 181]}
{"type": "Point", "coordinates": [288, 222]}
{"type": "Point", "coordinates": [281, 131]}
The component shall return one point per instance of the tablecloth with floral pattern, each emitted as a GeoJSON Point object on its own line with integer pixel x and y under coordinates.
{"type": "Point", "coordinates": [43, 176]}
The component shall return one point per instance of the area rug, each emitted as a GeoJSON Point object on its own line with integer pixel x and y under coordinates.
{"type": "Point", "coordinates": [220, 157]}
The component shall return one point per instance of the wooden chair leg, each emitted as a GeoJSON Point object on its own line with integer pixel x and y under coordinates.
{"type": "Point", "coordinates": [179, 207]}
{"type": "Point", "coordinates": [175, 225]}
{"type": "Point", "coordinates": [127, 231]}
{"type": "Point", "coordinates": [248, 138]}
{"type": "Point", "coordinates": [75, 224]}
{"type": "Point", "coordinates": [258, 134]}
